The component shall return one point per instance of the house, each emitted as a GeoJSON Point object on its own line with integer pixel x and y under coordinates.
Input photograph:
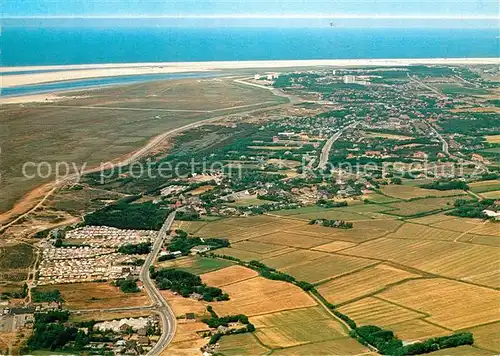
{"type": "Point", "coordinates": [142, 331]}
{"type": "Point", "coordinates": [492, 214]}
{"type": "Point", "coordinates": [143, 340]}
{"type": "Point", "coordinates": [124, 327]}
{"type": "Point", "coordinates": [196, 296]}
{"type": "Point", "coordinates": [200, 249]}
{"type": "Point", "coordinates": [420, 155]}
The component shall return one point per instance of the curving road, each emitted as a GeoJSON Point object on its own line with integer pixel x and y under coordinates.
{"type": "Point", "coordinates": [167, 316]}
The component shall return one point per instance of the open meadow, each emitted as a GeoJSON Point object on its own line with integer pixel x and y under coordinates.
{"type": "Point", "coordinates": [97, 295]}
{"type": "Point", "coordinates": [101, 125]}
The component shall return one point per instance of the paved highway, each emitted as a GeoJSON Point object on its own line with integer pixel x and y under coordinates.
{"type": "Point", "coordinates": [325, 152]}
{"type": "Point", "coordinates": [167, 316]}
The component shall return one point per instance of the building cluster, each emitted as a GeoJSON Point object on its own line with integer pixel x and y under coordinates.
{"type": "Point", "coordinates": [109, 237]}
{"type": "Point", "coordinates": [94, 256]}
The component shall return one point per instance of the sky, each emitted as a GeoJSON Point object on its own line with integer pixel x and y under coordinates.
{"type": "Point", "coordinates": [356, 13]}
{"type": "Point", "coordinates": [236, 8]}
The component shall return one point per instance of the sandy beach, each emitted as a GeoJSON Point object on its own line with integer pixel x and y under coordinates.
{"type": "Point", "coordinates": [74, 72]}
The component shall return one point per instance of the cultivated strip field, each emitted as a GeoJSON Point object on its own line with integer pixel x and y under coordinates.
{"type": "Point", "coordinates": [453, 305]}
{"type": "Point", "coordinates": [258, 295]}
{"type": "Point", "coordinates": [362, 283]}
{"type": "Point", "coordinates": [296, 327]}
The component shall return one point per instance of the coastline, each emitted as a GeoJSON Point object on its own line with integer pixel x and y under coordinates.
{"type": "Point", "coordinates": [74, 72]}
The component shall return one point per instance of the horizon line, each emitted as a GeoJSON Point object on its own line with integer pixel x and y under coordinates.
{"type": "Point", "coordinates": [264, 16]}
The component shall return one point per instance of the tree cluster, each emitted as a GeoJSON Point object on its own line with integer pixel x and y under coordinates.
{"type": "Point", "coordinates": [446, 185]}
{"type": "Point", "coordinates": [185, 284]}
{"type": "Point", "coordinates": [46, 296]}
{"type": "Point", "coordinates": [51, 333]}
{"type": "Point", "coordinates": [125, 215]}
{"type": "Point", "coordinates": [339, 224]}
{"type": "Point", "coordinates": [127, 285]}
{"type": "Point", "coordinates": [142, 248]}
{"type": "Point", "coordinates": [182, 242]}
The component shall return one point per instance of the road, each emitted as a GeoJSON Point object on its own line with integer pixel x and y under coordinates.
{"type": "Point", "coordinates": [325, 152]}
{"type": "Point", "coordinates": [434, 90]}
{"type": "Point", "coordinates": [446, 147]}
{"type": "Point", "coordinates": [167, 316]}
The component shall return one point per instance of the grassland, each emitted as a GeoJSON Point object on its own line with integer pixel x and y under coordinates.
{"type": "Point", "coordinates": [410, 192]}
{"type": "Point", "coordinates": [493, 138]}
{"type": "Point", "coordinates": [15, 260]}
{"type": "Point", "coordinates": [196, 265]}
{"type": "Point", "coordinates": [485, 186]}
{"type": "Point", "coordinates": [487, 336]}
{"type": "Point", "coordinates": [296, 327]}
{"type": "Point", "coordinates": [423, 206]}
{"type": "Point", "coordinates": [95, 126]}
{"type": "Point", "coordinates": [341, 346]}
{"type": "Point", "coordinates": [97, 296]}
{"type": "Point", "coordinates": [228, 275]}
{"type": "Point", "coordinates": [242, 344]}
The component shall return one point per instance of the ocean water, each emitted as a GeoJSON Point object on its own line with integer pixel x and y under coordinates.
{"type": "Point", "coordinates": [96, 82]}
{"type": "Point", "coordinates": [85, 45]}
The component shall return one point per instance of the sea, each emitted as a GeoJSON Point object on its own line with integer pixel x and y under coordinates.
{"type": "Point", "coordinates": [38, 46]}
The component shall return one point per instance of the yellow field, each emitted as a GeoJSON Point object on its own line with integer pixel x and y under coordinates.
{"type": "Point", "coordinates": [241, 344]}
{"type": "Point", "coordinates": [491, 195]}
{"type": "Point", "coordinates": [293, 258]}
{"type": "Point", "coordinates": [325, 268]}
{"type": "Point", "coordinates": [388, 136]}
{"type": "Point", "coordinates": [189, 226]}
{"type": "Point", "coordinates": [457, 260]}
{"type": "Point", "coordinates": [367, 281]}
{"type": "Point", "coordinates": [334, 246]}
{"type": "Point", "coordinates": [432, 219]}
{"type": "Point", "coordinates": [291, 240]}
{"type": "Point", "coordinates": [228, 275]}
{"type": "Point", "coordinates": [493, 138]}
{"type": "Point", "coordinates": [451, 304]}
{"type": "Point", "coordinates": [410, 208]}
{"type": "Point", "coordinates": [296, 327]}
{"type": "Point", "coordinates": [481, 239]}
{"type": "Point", "coordinates": [459, 224]}
{"type": "Point", "coordinates": [97, 296]}
{"type": "Point", "coordinates": [490, 279]}
{"type": "Point", "coordinates": [181, 305]}
{"type": "Point", "coordinates": [409, 192]}
{"type": "Point", "coordinates": [485, 186]}
{"type": "Point", "coordinates": [240, 254]}
{"type": "Point", "coordinates": [373, 311]}
{"type": "Point", "coordinates": [490, 228]}
{"type": "Point", "coordinates": [186, 340]}
{"type": "Point", "coordinates": [257, 247]}
{"type": "Point", "coordinates": [462, 351]}
{"type": "Point", "coordinates": [417, 329]}
{"type": "Point", "coordinates": [262, 296]}
{"type": "Point", "coordinates": [487, 336]}
{"type": "Point", "coordinates": [341, 346]}
{"type": "Point", "coordinates": [422, 232]}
